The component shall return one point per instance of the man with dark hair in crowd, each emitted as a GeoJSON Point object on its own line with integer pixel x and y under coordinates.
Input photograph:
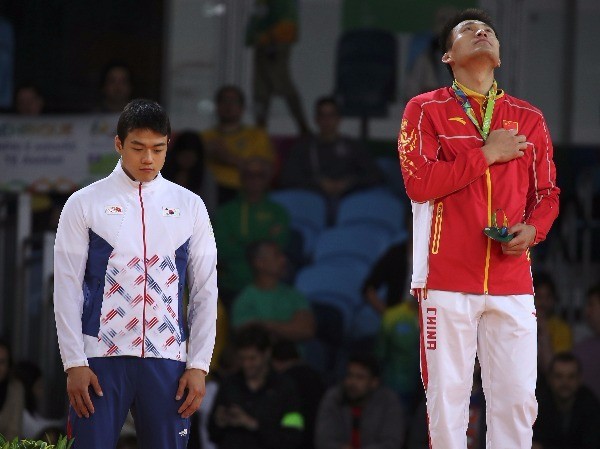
{"type": "Point", "coordinates": [569, 413]}
{"type": "Point", "coordinates": [310, 386]}
{"type": "Point", "coordinates": [329, 162]}
{"type": "Point", "coordinates": [360, 412]}
{"type": "Point", "coordinates": [116, 87]}
{"type": "Point", "coordinates": [256, 408]}
{"type": "Point", "coordinates": [478, 166]}
{"type": "Point", "coordinates": [230, 142]}
{"type": "Point", "coordinates": [278, 307]}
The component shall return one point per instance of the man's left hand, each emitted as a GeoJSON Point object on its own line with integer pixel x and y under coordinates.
{"type": "Point", "coordinates": [524, 237]}
{"type": "Point", "coordinates": [193, 380]}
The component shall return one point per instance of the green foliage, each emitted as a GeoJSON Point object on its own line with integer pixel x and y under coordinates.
{"type": "Point", "coordinates": [62, 443]}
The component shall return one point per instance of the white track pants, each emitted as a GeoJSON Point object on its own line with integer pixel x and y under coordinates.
{"type": "Point", "coordinates": [502, 331]}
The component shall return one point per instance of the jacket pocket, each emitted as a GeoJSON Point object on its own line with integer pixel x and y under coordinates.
{"type": "Point", "coordinates": [437, 228]}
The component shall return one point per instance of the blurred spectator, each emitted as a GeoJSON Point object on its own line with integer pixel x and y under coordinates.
{"type": "Point", "coordinates": [397, 348]}
{"type": "Point", "coordinates": [276, 306]}
{"type": "Point", "coordinates": [390, 273]}
{"type": "Point", "coordinates": [428, 72]}
{"type": "Point", "coordinates": [418, 436]}
{"type": "Point", "coordinates": [116, 88]}
{"type": "Point", "coordinates": [30, 376]}
{"type": "Point", "coordinates": [554, 334]}
{"type": "Point", "coordinates": [225, 366]}
{"type": "Point", "coordinates": [287, 361]}
{"type": "Point", "coordinates": [230, 142]}
{"type": "Point", "coordinates": [329, 162]}
{"type": "Point", "coordinates": [360, 413]}
{"type": "Point", "coordinates": [249, 218]}
{"type": "Point", "coordinates": [12, 396]}
{"type": "Point", "coordinates": [256, 408]}
{"type": "Point", "coordinates": [272, 31]}
{"type": "Point", "coordinates": [568, 413]}
{"type": "Point", "coordinates": [186, 165]}
{"type": "Point", "coordinates": [29, 100]}
{"type": "Point", "coordinates": [7, 62]}
{"type": "Point", "coordinates": [588, 351]}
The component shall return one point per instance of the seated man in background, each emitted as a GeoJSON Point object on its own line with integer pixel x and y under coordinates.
{"type": "Point", "coordinates": [249, 218]}
{"type": "Point", "coordinates": [229, 143]}
{"type": "Point", "coordinates": [279, 308]}
{"type": "Point", "coordinates": [360, 412]}
{"type": "Point", "coordinates": [329, 162]}
{"type": "Point", "coordinates": [256, 408]}
{"type": "Point", "coordinates": [569, 413]}
{"type": "Point", "coordinates": [588, 350]}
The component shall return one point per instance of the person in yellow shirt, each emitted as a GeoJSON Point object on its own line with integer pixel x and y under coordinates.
{"type": "Point", "coordinates": [554, 333]}
{"type": "Point", "coordinates": [229, 143]}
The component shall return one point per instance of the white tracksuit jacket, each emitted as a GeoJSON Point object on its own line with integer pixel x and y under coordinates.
{"type": "Point", "coordinates": [122, 254]}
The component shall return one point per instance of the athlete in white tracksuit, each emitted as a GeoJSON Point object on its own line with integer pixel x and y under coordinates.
{"type": "Point", "coordinates": [126, 247]}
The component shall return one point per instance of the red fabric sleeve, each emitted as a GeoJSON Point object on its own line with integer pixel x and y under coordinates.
{"type": "Point", "coordinates": [542, 198]}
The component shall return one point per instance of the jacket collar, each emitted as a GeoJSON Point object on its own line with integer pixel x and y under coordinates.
{"type": "Point", "coordinates": [122, 178]}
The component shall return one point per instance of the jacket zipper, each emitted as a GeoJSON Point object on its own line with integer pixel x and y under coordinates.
{"type": "Point", "coordinates": [437, 230]}
{"type": "Point", "coordinates": [145, 270]}
{"type": "Point", "coordinates": [486, 274]}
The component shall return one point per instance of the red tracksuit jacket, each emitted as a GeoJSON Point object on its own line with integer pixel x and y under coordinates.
{"type": "Point", "coordinates": [455, 193]}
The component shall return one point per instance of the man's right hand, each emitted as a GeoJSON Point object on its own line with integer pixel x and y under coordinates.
{"type": "Point", "coordinates": [79, 379]}
{"type": "Point", "coordinates": [503, 145]}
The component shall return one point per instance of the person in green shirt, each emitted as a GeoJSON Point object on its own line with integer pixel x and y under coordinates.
{"type": "Point", "coordinates": [248, 218]}
{"type": "Point", "coordinates": [279, 308]}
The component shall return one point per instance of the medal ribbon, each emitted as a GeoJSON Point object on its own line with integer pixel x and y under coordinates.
{"type": "Point", "coordinates": [489, 109]}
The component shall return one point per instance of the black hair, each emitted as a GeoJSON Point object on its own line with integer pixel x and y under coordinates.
{"type": "Point", "coordinates": [326, 99]}
{"type": "Point", "coordinates": [467, 14]}
{"type": "Point", "coordinates": [367, 361]}
{"type": "Point", "coordinates": [185, 141]}
{"type": "Point", "coordinates": [252, 336]}
{"type": "Point", "coordinates": [143, 114]}
{"type": "Point", "coordinates": [542, 278]}
{"type": "Point", "coordinates": [285, 351]}
{"type": "Point", "coordinates": [29, 85]}
{"type": "Point", "coordinates": [565, 357]}
{"type": "Point", "coordinates": [230, 88]}
{"type": "Point", "coordinates": [254, 249]}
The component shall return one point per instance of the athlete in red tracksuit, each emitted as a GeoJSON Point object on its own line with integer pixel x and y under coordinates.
{"type": "Point", "coordinates": [467, 151]}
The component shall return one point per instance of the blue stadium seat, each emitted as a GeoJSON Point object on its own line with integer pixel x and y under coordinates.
{"type": "Point", "coordinates": [307, 211]}
{"type": "Point", "coordinates": [356, 246]}
{"type": "Point", "coordinates": [377, 208]}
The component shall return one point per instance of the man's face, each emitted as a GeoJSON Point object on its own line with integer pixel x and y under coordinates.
{"type": "Point", "coordinates": [359, 382]}
{"type": "Point", "coordinates": [592, 313]}
{"type": "Point", "coordinates": [544, 300]}
{"type": "Point", "coordinates": [28, 102]}
{"type": "Point", "coordinates": [328, 119]}
{"type": "Point", "coordinates": [564, 380]}
{"type": "Point", "coordinates": [255, 177]}
{"type": "Point", "coordinates": [473, 39]}
{"type": "Point", "coordinates": [253, 362]}
{"type": "Point", "coordinates": [142, 154]}
{"type": "Point", "coordinates": [117, 85]}
{"type": "Point", "coordinates": [271, 260]}
{"type": "Point", "coordinates": [229, 107]}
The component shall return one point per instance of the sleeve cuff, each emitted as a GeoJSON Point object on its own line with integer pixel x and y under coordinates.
{"type": "Point", "coordinates": [74, 363]}
{"type": "Point", "coordinates": [198, 365]}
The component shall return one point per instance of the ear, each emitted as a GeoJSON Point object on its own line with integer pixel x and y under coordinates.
{"type": "Point", "coordinates": [118, 145]}
{"type": "Point", "coordinates": [446, 58]}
